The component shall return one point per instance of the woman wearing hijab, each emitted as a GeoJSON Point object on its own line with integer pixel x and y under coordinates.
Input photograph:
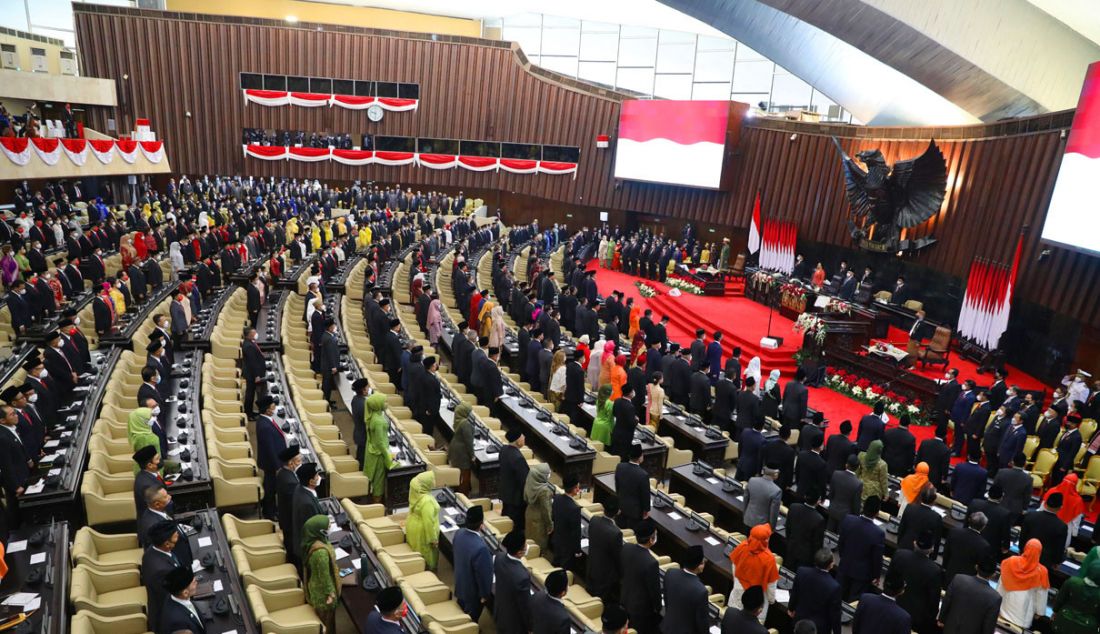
{"type": "Point", "coordinates": [9, 268]}
{"type": "Point", "coordinates": [637, 348]}
{"type": "Point", "coordinates": [422, 527]}
{"type": "Point", "coordinates": [460, 453]}
{"type": "Point", "coordinates": [320, 574]}
{"type": "Point", "coordinates": [1077, 605]}
{"type": "Point", "coordinates": [435, 320]}
{"type": "Point", "coordinates": [912, 485]}
{"type": "Point", "coordinates": [1023, 586]}
{"type": "Point", "coordinates": [1073, 507]}
{"type": "Point", "coordinates": [602, 252]}
{"type": "Point", "coordinates": [376, 457]}
{"type": "Point", "coordinates": [139, 431]}
{"type": "Point", "coordinates": [604, 421]}
{"type": "Point", "coordinates": [595, 365]}
{"type": "Point", "coordinates": [175, 255]}
{"type": "Point", "coordinates": [753, 370]}
{"type": "Point", "coordinates": [538, 494]}
{"type": "Point", "coordinates": [655, 399]}
{"type": "Point", "coordinates": [618, 377]}
{"type": "Point", "coordinates": [607, 362]}
{"type": "Point", "coordinates": [583, 352]}
{"type": "Point", "coordinates": [496, 327]}
{"type": "Point", "coordinates": [127, 251]}
{"type": "Point", "coordinates": [635, 318]}
{"type": "Point", "coordinates": [557, 379]}
{"type": "Point", "coordinates": [754, 565]}
{"type": "Point", "coordinates": [872, 471]}
{"type": "Point", "coordinates": [771, 395]}
{"type": "Point", "coordinates": [609, 253]}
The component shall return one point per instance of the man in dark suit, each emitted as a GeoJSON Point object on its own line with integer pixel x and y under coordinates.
{"type": "Point", "coordinates": [811, 471]}
{"type": "Point", "coordinates": [969, 478]}
{"type": "Point", "coordinates": [686, 604]}
{"type": "Point", "coordinates": [845, 493]}
{"type": "Point", "coordinates": [733, 367]}
{"type": "Point", "coordinates": [960, 414]}
{"type": "Point", "coordinates": [749, 448]}
{"type": "Point", "coordinates": [565, 541]}
{"type": "Point", "coordinates": [548, 613]}
{"type": "Point", "coordinates": [632, 489]}
{"type": "Point", "coordinates": [871, 427]}
{"type": "Point", "coordinates": [270, 442]}
{"type": "Point", "coordinates": [641, 584]}
{"type": "Point", "coordinates": [970, 603]}
{"type": "Point", "coordinates": [881, 614]}
{"type": "Point", "coordinates": [1068, 446]}
{"type": "Point", "coordinates": [725, 397]}
{"type": "Point", "coordinates": [805, 532]}
{"type": "Point", "coordinates": [923, 579]}
{"type": "Point", "coordinates": [1044, 524]}
{"type": "Point", "coordinates": [998, 392]}
{"type": "Point", "coordinates": [946, 396]}
{"type": "Point", "coordinates": [305, 503]}
{"type": "Point", "coordinates": [254, 300]}
{"type": "Point", "coordinates": [15, 464]}
{"type": "Point", "coordinates": [699, 350]}
{"type": "Point", "coordinates": [714, 357]}
{"type": "Point", "coordinates": [178, 613]}
{"type": "Point", "coordinates": [1048, 427]}
{"type": "Point", "coordinates": [626, 421]}
{"type": "Point", "coordinates": [474, 565]}
{"type": "Point", "coordinates": [860, 546]}
{"type": "Point", "coordinates": [18, 307]}
{"type": "Point", "coordinates": [1012, 442]}
{"type": "Point", "coordinates": [918, 519]}
{"type": "Point", "coordinates": [779, 453]}
{"type": "Point", "coordinates": [678, 378]}
{"type": "Point", "coordinates": [816, 595]}
{"type": "Point", "coordinates": [747, 619]}
{"type": "Point", "coordinates": [254, 365]}
{"type": "Point", "coordinates": [977, 421]}
{"type": "Point", "coordinates": [899, 447]}
{"type": "Point", "coordinates": [998, 521]}
{"type": "Point", "coordinates": [937, 454]}
{"type": "Point", "coordinates": [1016, 483]}
{"type": "Point", "coordinates": [965, 547]}
{"type": "Point", "coordinates": [286, 483]}
{"type": "Point", "coordinates": [61, 369]}
{"type": "Point", "coordinates": [157, 562]}
{"type": "Point", "coordinates": [513, 476]}
{"type": "Point", "coordinates": [748, 408]}
{"type": "Point", "coordinates": [512, 603]}
{"type": "Point", "coordinates": [838, 447]}
{"type": "Point", "coordinates": [574, 388]}
{"type": "Point", "coordinates": [699, 400]}
{"type": "Point", "coordinates": [605, 543]}
{"type": "Point", "coordinates": [148, 462]}
{"type": "Point", "coordinates": [158, 504]}
{"type": "Point", "coordinates": [796, 398]}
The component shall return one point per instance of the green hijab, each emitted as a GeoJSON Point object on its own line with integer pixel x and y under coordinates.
{"type": "Point", "coordinates": [421, 487]}
{"type": "Point", "coordinates": [602, 396]}
{"type": "Point", "coordinates": [462, 415]}
{"type": "Point", "coordinates": [376, 403]}
{"type": "Point", "coordinates": [315, 530]}
{"type": "Point", "coordinates": [138, 431]}
{"type": "Point", "coordinates": [1092, 575]}
{"type": "Point", "coordinates": [871, 456]}
{"type": "Point", "coordinates": [538, 480]}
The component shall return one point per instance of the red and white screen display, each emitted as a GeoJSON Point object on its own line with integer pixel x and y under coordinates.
{"type": "Point", "coordinates": [1073, 218]}
{"type": "Point", "coordinates": [674, 142]}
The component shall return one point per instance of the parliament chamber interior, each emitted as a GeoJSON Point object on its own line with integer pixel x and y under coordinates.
{"type": "Point", "coordinates": [651, 316]}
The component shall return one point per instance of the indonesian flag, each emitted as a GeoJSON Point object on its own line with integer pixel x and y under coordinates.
{"type": "Point", "coordinates": [1071, 218]}
{"type": "Point", "coordinates": [679, 142]}
{"type": "Point", "coordinates": [754, 227]}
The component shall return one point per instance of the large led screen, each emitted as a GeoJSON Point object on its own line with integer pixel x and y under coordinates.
{"type": "Point", "coordinates": [675, 142]}
{"type": "Point", "coordinates": [1073, 219]}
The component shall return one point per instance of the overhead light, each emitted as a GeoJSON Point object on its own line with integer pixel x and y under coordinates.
{"type": "Point", "coordinates": [291, 18]}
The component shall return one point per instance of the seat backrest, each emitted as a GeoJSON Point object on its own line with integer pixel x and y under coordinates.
{"type": "Point", "coordinates": [941, 338]}
{"type": "Point", "coordinates": [1045, 461]}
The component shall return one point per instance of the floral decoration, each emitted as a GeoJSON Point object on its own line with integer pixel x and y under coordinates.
{"type": "Point", "coordinates": [813, 326]}
{"type": "Point", "coordinates": [865, 391]}
{"type": "Point", "coordinates": [645, 290]}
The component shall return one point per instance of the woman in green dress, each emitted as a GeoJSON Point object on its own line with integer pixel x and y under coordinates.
{"type": "Point", "coordinates": [538, 493]}
{"type": "Point", "coordinates": [601, 427]}
{"type": "Point", "coordinates": [422, 527]}
{"type": "Point", "coordinates": [319, 571]}
{"type": "Point", "coordinates": [872, 471]}
{"type": "Point", "coordinates": [139, 432]}
{"type": "Point", "coordinates": [376, 458]}
{"type": "Point", "coordinates": [460, 453]}
{"type": "Point", "coordinates": [1077, 604]}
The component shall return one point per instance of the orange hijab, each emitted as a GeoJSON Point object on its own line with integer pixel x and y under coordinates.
{"type": "Point", "coordinates": [913, 484]}
{"type": "Point", "coordinates": [753, 563]}
{"type": "Point", "coordinates": [1024, 572]}
{"type": "Point", "coordinates": [1072, 504]}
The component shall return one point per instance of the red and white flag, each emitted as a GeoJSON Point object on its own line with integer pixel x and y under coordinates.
{"type": "Point", "coordinates": [1071, 217]}
{"type": "Point", "coordinates": [665, 141]}
{"type": "Point", "coordinates": [754, 227]}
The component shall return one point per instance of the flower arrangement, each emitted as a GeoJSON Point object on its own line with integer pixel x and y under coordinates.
{"type": "Point", "coordinates": [865, 391]}
{"type": "Point", "coordinates": [763, 279]}
{"type": "Point", "coordinates": [646, 290]}
{"type": "Point", "coordinates": [810, 325]}
{"type": "Point", "coordinates": [837, 306]}
{"type": "Point", "coordinates": [793, 290]}
{"type": "Point", "coordinates": [685, 285]}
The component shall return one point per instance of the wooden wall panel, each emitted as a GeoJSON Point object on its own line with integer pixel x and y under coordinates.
{"type": "Point", "coordinates": [1000, 175]}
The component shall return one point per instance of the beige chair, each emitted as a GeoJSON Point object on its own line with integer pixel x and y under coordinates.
{"type": "Point", "coordinates": [88, 622]}
{"type": "Point", "coordinates": [267, 568]}
{"type": "Point", "coordinates": [107, 593]}
{"type": "Point", "coordinates": [283, 611]}
{"type": "Point", "coordinates": [108, 499]}
{"type": "Point", "coordinates": [235, 483]}
{"type": "Point", "coordinates": [255, 535]}
{"type": "Point", "coordinates": [105, 552]}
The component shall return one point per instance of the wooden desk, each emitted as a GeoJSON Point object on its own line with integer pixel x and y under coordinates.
{"type": "Point", "coordinates": [54, 569]}
{"type": "Point", "coordinates": [186, 379]}
{"type": "Point", "coordinates": [689, 432]}
{"type": "Point", "coordinates": [209, 539]}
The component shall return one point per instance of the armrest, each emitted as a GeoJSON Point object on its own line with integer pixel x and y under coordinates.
{"type": "Point", "coordinates": [105, 543]}
{"type": "Point", "coordinates": [276, 600]}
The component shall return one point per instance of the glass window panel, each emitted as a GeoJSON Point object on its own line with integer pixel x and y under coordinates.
{"type": "Point", "coordinates": [745, 53]}
{"type": "Point", "coordinates": [673, 86]}
{"type": "Point", "coordinates": [437, 146]}
{"type": "Point", "coordinates": [588, 26]}
{"type": "Point", "coordinates": [716, 66]}
{"type": "Point", "coordinates": [51, 13]}
{"type": "Point", "coordinates": [408, 91]}
{"type": "Point", "coordinates": [529, 39]}
{"type": "Point", "coordinates": [707, 43]}
{"type": "Point", "coordinates": [364, 88]}
{"type": "Point", "coordinates": [637, 52]}
{"type": "Point", "coordinates": [599, 47]}
{"type": "Point", "coordinates": [480, 148]}
{"type": "Point", "coordinates": [753, 77]}
{"type": "Point", "coordinates": [565, 65]}
{"type": "Point", "coordinates": [560, 41]}
{"type": "Point", "coordinates": [320, 84]}
{"type": "Point", "coordinates": [820, 103]}
{"type": "Point", "coordinates": [675, 58]}
{"type": "Point", "coordinates": [252, 80]}
{"type": "Point", "coordinates": [677, 37]}
{"type": "Point", "coordinates": [638, 31]}
{"type": "Point", "coordinates": [395, 143]}
{"type": "Point", "coordinates": [753, 99]}
{"type": "Point", "coordinates": [520, 151]}
{"type": "Point", "coordinates": [718, 91]}
{"type": "Point", "coordinates": [599, 72]}
{"type": "Point", "coordinates": [636, 79]}
{"type": "Point", "coordinates": [561, 153]}
{"type": "Point", "coordinates": [789, 90]}
{"type": "Point", "coordinates": [522, 19]}
{"type": "Point", "coordinates": [343, 87]}
{"type": "Point", "coordinates": [560, 22]}
{"type": "Point", "coordinates": [274, 82]}
{"type": "Point", "coordinates": [297, 84]}
{"type": "Point", "coordinates": [386, 88]}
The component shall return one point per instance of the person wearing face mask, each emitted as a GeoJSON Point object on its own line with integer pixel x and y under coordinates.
{"type": "Point", "coordinates": [148, 461]}
{"type": "Point", "coordinates": [75, 343]}
{"type": "Point", "coordinates": [57, 363]}
{"type": "Point", "coordinates": [25, 427]}
{"type": "Point", "coordinates": [180, 318]}
{"type": "Point", "coordinates": [155, 359]}
{"type": "Point", "coordinates": [96, 268]}
{"type": "Point", "coordinates": [1048, 427]}
{"type": "Point", "coordinates": [33, 422]}
{"type": "Point", "coordinates": [158, 508]}
{"type": "Point", "coordinates": [103, 308]}
{"type": "Point", "coordinates": [145, 428]}
{"type": "Point", "coordinates": [305, 504]}
{"type": "Point", "coordinates": [178, 613]}
{"type": "Point", "coordinates": [320, 573]}
{"type": "Point", "coordinates": [43, 293]}
{"type": "Point", "coordinates": [391, 608]}
{"type": "Point", "coordinates": [46, 400]}
{"type": "Point", "coordinates": [994, 434]}
{"type": "Point", "coordinates": [18, 306]}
